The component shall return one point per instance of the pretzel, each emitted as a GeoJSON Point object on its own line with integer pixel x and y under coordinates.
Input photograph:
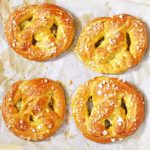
{"type": "Point", "coordinates": [112, 44]}
{"type": "Point", "coordinates": [39, 32]}
{"type": "Point", "coordinates": [107, 109]}
{"type": "Point", "coordinates": [34, 109]}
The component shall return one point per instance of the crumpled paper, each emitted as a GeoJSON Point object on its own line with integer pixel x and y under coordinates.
{"type": "Point", "coordinates": [140, 1]}
{"type": "Point", "coordinates": [72, 73]}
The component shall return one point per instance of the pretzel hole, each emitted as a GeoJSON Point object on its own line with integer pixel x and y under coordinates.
{"type": "Point", "coordinates": [24, 23]}
{"type": "Point", "coordinates": [123, 105]}
{"type": "Point", "coordinates": [98, 43]}
{"type": "Point", "coordinates": [34, 41]}
{"type": "Point", "coordinates": [31, 118]}
{"type": "Point", "coordinates": [54, 29]}
{"type": "Point", "coordinates": [18, 104]}
{"type": "Point", "coordinates": [51, 104]}
{"type": "Point", "coordinates": [107, 124]}
{"type": "Point", "coordinates": [89, 105]}
{"type": "Point", "coordinates": [128, 41]}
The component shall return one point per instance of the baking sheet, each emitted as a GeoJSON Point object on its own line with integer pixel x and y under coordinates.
{"type": "Point", "coordinates": [71, 72]}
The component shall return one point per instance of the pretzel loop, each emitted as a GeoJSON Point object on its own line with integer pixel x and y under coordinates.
{"type": "Point", "coordinates": [36, 108]}
{"type": "Point", "coordinates": [40, 32]}
{"type": "Point", "coordinates": [112, 45]}
{"type": "Point", "coordinates": [107, 109]}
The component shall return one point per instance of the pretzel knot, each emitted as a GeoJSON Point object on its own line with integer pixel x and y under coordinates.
{"type": "Point", "coordinates": [107, 109]}
{"type": "Point", "coordinates": [34, 109]}
{"type": "Point", "coordinates": [113, 45]}
{"type": "Point", "coordinates": [39, 32]}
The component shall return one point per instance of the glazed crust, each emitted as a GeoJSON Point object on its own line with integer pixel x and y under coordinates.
{"type": "Point", "coordinates": [113, 45]}
{"type": "Point", "coordinates": [34, 109]}
{"type": "Point", "coordinates": [117, 111]}
{"type": "Point", "coordinates": [39, 32]}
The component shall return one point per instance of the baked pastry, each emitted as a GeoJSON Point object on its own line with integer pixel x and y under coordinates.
{"type": "Point", "coordinates": [107, 109]}
{"type": "Point", "coordinates": [113, 44]}
{"type": "Point", "coordinates": [39, 32]}
{"type": "Point", "coordinates": [34, 109]}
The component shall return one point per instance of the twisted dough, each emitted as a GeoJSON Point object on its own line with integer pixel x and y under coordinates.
{"type": "Point", "coordinates": [107, 109]}
{"type": "Point", "coordinates": [113, 45]}
{"type": "Point", "coordinates": [34, 109]}
{"type": "Point", "coordinates": [39, 32]}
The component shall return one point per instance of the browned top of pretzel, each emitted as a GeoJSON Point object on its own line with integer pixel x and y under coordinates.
{"type": "Point", "coordinates": [113, 45]}
{"type": "Point", "coordinates": [39, 32]}
{"type": "Point", "coordinates": [34, 109]}
{"type": "Point", "coordinates": [107, 109]}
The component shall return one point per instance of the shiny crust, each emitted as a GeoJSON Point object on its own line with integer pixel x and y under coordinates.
{"type": "Point", "coordinates": [117, 112]}
{"type": "Point", "coordinates": [34, 109]}
{"type": "Point", "coordinates": [39, 32]}
{"type": "Point", "coordinates": [124, 44]}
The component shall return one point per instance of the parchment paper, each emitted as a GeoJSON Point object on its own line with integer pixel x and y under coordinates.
{"type": "Point", "coordinates": [71, 72]}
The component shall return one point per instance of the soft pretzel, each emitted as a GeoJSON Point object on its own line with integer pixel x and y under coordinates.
{"type": "Point", "coordinates": [107, 109]}
{"type": "Point", "coordinates": [113, 45]}
{"type": "Point", "coordinates": [34, 109]}
{"type": "Point", "coordinates": [39, 32]}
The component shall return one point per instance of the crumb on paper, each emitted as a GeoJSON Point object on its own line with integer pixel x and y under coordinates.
{"type": "Point", "coordinates": [70, 82]}
{"type": "Point", "coordinates": [67, 134]}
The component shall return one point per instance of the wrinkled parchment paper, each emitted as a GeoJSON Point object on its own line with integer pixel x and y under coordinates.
{"type": "Point", "coordinates": [71, 72]}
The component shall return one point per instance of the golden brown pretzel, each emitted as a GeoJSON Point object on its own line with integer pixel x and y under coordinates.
{"type": "Point", "coordinates": [107, 109]}
{"type": "Point", "coordinates": [39, 32]}
{"type": "Point", "coordinates": [34, 109]}
{"type": "Point", "coordinates": [113, 45]}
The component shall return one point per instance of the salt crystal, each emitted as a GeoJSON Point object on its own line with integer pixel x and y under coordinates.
{"type": "Point", "coordinates": [104, 132]}
{"type": "Point", "coordinates": [13, 44]}
{"type": "Point", "coordinates": [9, 99]}
{"type": "Point", "coordinates": [39, 126]}
{"type": "Point", "coordinates": [121, 16]}
{"type": "Point", "coordinates": [99, 92]}
{"type": "Point", "coordinates": [14, 22]}
{"type": "Point", "coordinates": [105, 95]}
{"type": "Point", "coordinates": [119, 120]}
{"type": "Point", "coordinates": [45, 80]}
{"type": "Point", "coordinates": [108, 48]}
{"type": "Point", "coordinates": [33, 130]}
{"type": "Point", "coordinates": [21, 121]}
{"type": "Point", "coordinates": [103, 82]}
{"type": "Point", "coordinates": [112, 139]}
{"type": "Point", "coordinates": [67, 19]}
{"type": "Point", "coordinates": [42, 18]}
{"type": "Point", "coordinates": [50, 126]}
{"type": "Point", "coordinates": [100, 85]}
